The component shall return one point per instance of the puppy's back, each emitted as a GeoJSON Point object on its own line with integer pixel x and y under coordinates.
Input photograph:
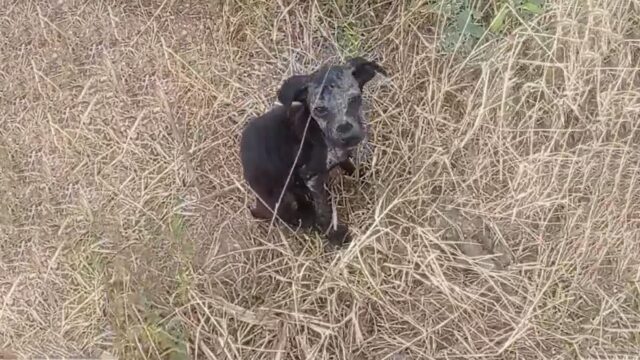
{"type": "Point", "coordinates": [267, 149]}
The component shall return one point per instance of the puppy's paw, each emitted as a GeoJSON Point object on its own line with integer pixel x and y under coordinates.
{"type": "Point", "coordinates": [258, 212]}
{"type": "Point", "coordinates": [348, 167]}
{"type": "Point", "coordinates": [307, 219]}
{"type": "Point", "coordinates": [339, 236]}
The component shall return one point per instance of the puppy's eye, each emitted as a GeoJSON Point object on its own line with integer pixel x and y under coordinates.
{"type": "Point", "coordinates": [355, 100]}
{"type": "Point", "coordinates": [321, 110]}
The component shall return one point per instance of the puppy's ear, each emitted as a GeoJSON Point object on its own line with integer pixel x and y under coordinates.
{"type": "Point", "coordinates": [364, 70]}
{"type": "Point", "coordinates": [293, 89]}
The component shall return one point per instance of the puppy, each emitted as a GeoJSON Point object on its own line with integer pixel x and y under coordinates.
{"type": "Point", "coordinates": [287, 153]}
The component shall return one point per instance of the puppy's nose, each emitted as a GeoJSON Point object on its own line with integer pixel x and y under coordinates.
{"type": "Point", "coordinates": [349, 134]}
{"type": "Point", "coordinates": [344, 128]}
{"type": "Point", "coordinates": [351, 140]}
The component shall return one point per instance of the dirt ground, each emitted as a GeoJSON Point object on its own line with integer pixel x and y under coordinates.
{"type": "Point", "coordinates": [500, 218]}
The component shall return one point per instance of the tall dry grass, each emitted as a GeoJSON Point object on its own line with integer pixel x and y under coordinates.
{"type": "Point", "coordinates": [499, 219]}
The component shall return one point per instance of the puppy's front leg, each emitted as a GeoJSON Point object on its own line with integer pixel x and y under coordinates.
{"type": "Point", "coordinates": [337, 234]}
{"type": "Point", "coordinates": [348, 167]}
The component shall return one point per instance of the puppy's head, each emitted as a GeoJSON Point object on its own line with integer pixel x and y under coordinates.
{"type": "Point", "coordinates": [333, 96]}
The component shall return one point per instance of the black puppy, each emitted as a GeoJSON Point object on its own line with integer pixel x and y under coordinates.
{"type": "Point", "coordinates": [287, 153]}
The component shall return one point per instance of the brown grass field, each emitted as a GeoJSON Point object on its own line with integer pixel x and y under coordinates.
{"type": "Point", "coordinates": [500, 217]}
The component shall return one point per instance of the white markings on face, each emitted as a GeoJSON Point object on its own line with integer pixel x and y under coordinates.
{"type": "Point", "coordinates": [363, 152]}
{"type": "Point", "coordinates": [329, 100]}
{"type": "Point", "coordinates": [336, 155]}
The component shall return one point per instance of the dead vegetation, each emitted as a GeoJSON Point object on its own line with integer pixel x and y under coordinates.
{"type": "Point", "coordinates": [500, 217]}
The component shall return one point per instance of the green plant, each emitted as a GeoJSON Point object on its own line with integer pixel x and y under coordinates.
{"type": "Point", "coordinates": [505, 19]}
{"type": "Point", "coordinates": [467, 22]}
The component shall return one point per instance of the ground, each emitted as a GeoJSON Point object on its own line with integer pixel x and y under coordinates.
{"type": "Point", "coordinates": [499, 217]}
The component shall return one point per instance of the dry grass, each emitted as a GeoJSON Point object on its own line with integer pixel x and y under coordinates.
{"type": "Point", "coordinates": [501, 218]}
